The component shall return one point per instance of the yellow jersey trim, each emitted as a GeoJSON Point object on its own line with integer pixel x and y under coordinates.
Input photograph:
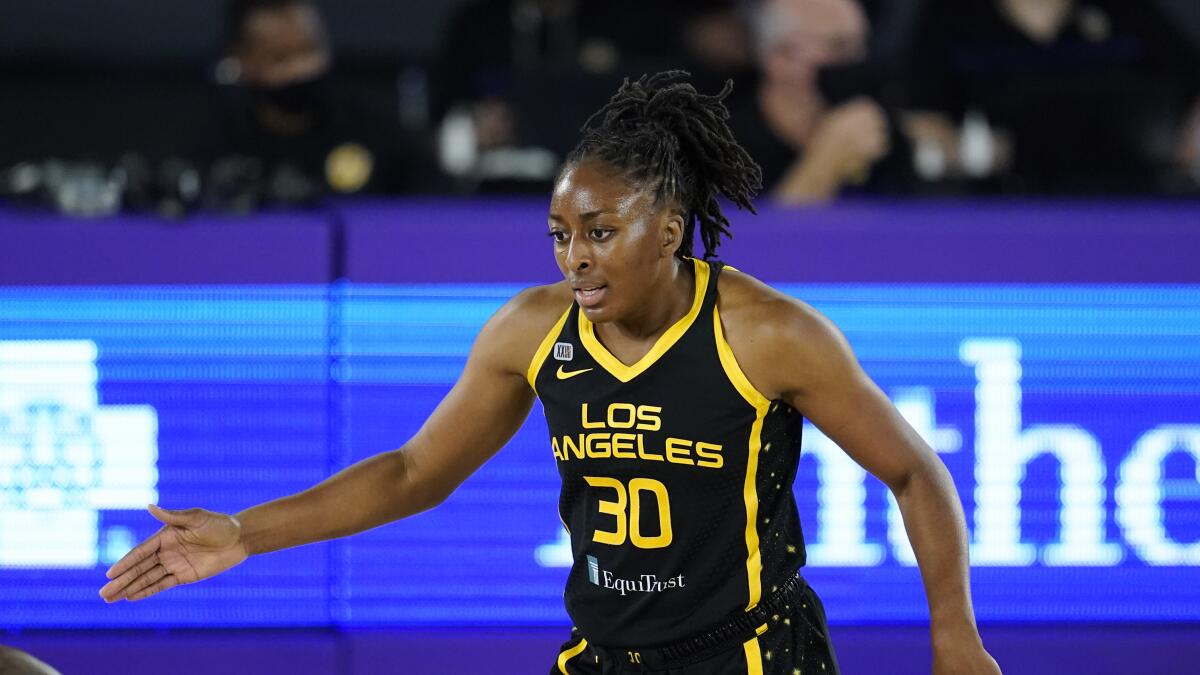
{"type": "Point", "coordinates": [732, 370]}
{"type": "Point", "coordinates": [754, 665]}
{"type": "Point", "coordinates": [624, 373]}
{"type": "Point", "coordinates": [761, 406]}
{"type": "Point", "coordinates": [572, 653]}
{"type": "Point", "coordinates": [543, 350]}
{"type": "Point", "coordinates": [750, 497]}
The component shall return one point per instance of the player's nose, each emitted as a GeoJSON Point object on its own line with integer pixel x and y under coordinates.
{"type": "Point", "coordinates": [579, 254]}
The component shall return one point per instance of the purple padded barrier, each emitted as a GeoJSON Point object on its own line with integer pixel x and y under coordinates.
{"type": "Point", "coordinates": [440, 241]}
{"type": "Point", "coordinates": [903, 242]}
{"type": "Point", "coordinates": [40, 249]}
{"type": "Point", "coordinates": [434, 241]}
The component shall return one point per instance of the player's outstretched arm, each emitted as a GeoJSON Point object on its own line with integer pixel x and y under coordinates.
{"type": "Point", "coordinates": [480, 414]}
{"type": "Point", "coordinates": [790, 351]}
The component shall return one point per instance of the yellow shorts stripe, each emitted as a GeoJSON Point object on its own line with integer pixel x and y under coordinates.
{"type": "Point", "coordinates": [754, 665]}
{"type": "Point", "coordinates": [574, 651]}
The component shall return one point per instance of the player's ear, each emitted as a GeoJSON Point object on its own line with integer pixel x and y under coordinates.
{"type": "Point", "coordinates": [672, 234]}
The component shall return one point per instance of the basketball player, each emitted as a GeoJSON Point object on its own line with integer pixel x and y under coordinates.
{"type": "Point", "coordinates": [674, 391]}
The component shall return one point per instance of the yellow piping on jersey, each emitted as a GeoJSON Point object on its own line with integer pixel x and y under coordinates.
{"type": "Point", "coordinates": [749, 492]}
{"type": "Point", "coordinates": [733, 371]}
{"type": "Point", "coordinates": [754, 664]}
{"type": "Point", "coordinates": [574, 651]}
{"type": "Point", "coordinates": [624, 373]}
{"type": "Point", "coordinates": [543, 350]}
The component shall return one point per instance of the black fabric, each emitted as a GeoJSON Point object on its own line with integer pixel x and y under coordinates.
{"type": "Point", "coordinates": [626, 593]}
{"type": "Point", "coordinates": [797, 639]}
{"type": "Point", "coordinates": [729, 634]}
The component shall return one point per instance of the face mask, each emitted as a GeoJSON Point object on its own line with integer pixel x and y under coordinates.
{"type": "Point", "coordinates": [296, 96]}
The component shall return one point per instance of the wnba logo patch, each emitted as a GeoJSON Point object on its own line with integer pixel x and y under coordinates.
{"type": "Point", "coordinates": [564, 351]}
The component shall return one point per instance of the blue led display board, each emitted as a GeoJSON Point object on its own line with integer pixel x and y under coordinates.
{"type": "Point", "coordinates": [1069, 417]}
{"type": "Point", "coordinates": [114, 398]}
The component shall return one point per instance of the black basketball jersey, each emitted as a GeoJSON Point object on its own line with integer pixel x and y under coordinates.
{"type": "Point", "coordinates": [676, 477]}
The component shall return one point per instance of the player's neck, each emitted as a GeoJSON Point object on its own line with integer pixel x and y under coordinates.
{"type": "Point", "coordinates": [666, 305]}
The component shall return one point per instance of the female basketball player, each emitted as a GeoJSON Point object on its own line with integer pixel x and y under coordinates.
{"type": "Point", "coordinates": [674, 390]}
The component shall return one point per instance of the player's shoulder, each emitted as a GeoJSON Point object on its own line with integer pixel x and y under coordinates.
{"type": "Point", "coordinates": [748, 304]}
{"type": "Point", "coordinates": [783, 344]}
{"type": "Point", "coordinates": [519, 326]}
{"type": "Point", "coordinates": [537, 308]}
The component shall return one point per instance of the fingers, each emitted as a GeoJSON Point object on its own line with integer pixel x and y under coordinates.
{"type": "Point", "coordinates": [136, 555]}
{"type": "Point", "coordinates": [120, 586]}
{"type": "Point", "coordinates": [152, 576]}
{"type": "Point", "coordinates": [140, 573]}
{"type": "Point", "coordinates": [169, 581]}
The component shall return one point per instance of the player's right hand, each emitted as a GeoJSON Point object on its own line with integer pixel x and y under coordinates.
{"type": "Point", "coordinates": [192, 544]}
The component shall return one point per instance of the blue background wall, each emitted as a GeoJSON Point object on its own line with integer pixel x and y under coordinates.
{"type": "Point", "coordinates": [1077, 364]}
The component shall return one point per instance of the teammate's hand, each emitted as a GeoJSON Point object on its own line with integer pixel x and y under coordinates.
{"type": "Point", "coordinates": [193, 544]}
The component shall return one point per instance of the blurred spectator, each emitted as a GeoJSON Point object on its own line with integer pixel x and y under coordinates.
{"type": "Point", "coordinates": [88, 132]}
{"type": "Point", "coordinates": [517, 78]}
{"type": "Point", "coordinates": [716, 42]}
{"type": "Point", "coordinates": [817, 119]}
{"type": "Point", "coordinates": [291, 134]}
{"type": "Point", "coordinates": [16, 662]}
{"type": "Point", "coordinates": [1054, 96]}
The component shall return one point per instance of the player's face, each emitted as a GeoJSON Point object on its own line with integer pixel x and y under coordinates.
{"type": "Point", "coordinates": [614, 245]}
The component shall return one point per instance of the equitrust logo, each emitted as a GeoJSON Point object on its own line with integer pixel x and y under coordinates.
{"type": "Point", "coordinates": [644, 583]}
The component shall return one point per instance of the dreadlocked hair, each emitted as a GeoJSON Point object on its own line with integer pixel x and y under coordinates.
{"type": "Point", "coordinates": [665, 135]}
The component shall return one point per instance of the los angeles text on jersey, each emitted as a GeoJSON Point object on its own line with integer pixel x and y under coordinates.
{"type": "Point", "coordinates": [609, 441]}
{"type": "Point", "coordinates": [644, 583]}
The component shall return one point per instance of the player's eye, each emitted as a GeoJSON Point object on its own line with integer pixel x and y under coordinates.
{"type": "Point", "coordinates": [601, 233]}
{"type": "Point", "coordinates": [557, 235]}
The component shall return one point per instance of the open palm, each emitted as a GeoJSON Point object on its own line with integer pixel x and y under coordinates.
{"type": "Point", "coordinates": [193, 544]}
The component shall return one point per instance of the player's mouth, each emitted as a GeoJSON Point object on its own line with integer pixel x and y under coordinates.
{"type": "Point", "coordinates": [590, 295]}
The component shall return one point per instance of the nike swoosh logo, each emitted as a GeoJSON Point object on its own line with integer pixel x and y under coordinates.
{"type": "Point", "coordinates": [565, 375]}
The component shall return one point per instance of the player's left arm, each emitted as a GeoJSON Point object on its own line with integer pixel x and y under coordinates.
{"type": "Point", "coordinates": [790, 351]}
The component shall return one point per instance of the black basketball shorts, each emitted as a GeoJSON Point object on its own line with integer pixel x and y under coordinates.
{"type": "Point", "coordinates": [795, 642]}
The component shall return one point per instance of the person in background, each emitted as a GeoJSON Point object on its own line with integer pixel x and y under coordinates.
{"type": "Point", "coordinates": [291, 134]}
{"type": "Point", "coordinates": [1054, 96]}
{"type": "Point", "coordinates": [501, 59]}
{"type": "Point", "coordinates": [816, 119]}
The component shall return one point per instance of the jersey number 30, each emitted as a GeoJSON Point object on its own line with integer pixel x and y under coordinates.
{"type": "Point", "coordinates": [630, 522]}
